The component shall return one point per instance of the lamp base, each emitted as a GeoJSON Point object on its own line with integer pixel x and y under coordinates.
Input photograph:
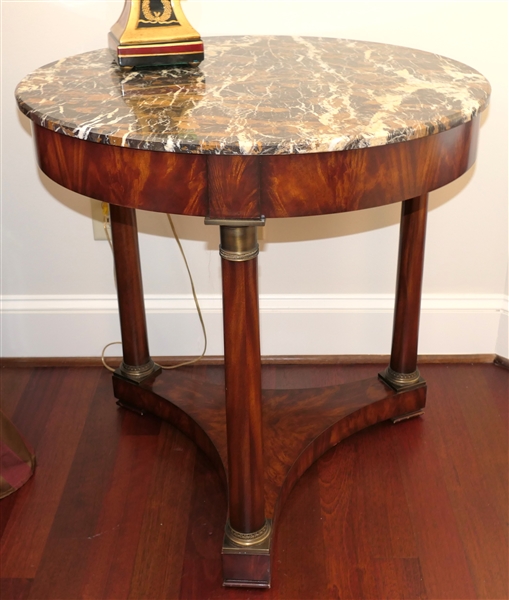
{"type": "Point", "coordinates": [157, 55]}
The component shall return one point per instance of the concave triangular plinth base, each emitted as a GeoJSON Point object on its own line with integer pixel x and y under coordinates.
{"type": "Point", "coordinates": [298, 427]}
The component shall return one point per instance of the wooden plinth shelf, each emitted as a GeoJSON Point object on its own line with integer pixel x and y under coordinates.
{"type": "Point", "coordinates": [298, 427]}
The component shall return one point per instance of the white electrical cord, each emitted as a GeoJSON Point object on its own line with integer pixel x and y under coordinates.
{"type": "Point", "coordinates": [188, 362]}
{"type": "Point", "coordinates": [103, 359]}
{"type": "Point", "coordinates": [194, 360]}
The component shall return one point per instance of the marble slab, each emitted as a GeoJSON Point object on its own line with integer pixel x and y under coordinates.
{"type": "Point", "coordinates": [258, 95]}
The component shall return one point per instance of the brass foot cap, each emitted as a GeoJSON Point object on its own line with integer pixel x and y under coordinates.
{"type": "Point", "coordinates": [137, 373]}
{"type": "Point", "coordinates": [401, 381]}
{"type": "Point", "coordinates": [257, 542]}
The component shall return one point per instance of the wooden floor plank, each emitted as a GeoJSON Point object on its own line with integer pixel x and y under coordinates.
{"type": "Point", "coordinates": [486, 420]}
{"type": "Point", "coordinates": [12, 385]}
{"type": "Point", "coordinates": [201, 573]}
{"type": "Point", "coordinates": [442, 556]}
{"type": "Point", "coordinates": [300, 550]}
{"type": "Point", "coordinates": [336, 472]}
{"type": "Point", "coordinates": [7, 506]}
{"type": "Point", "coordinates": [36, 404]}
{"type": "Point", "coordinates": [366, 517]}
{"type": "Point", "coordinates": [15, 589]}
{"type": "Point", "coordinates": [496, 385]}
{"type": "Point", "coordinates": [158, 565]}
{"type": "Point", "coordinates": [105, 488]}
{"type": "Point", "coordinates": [54, 415]}
{"type": "Point", "coordinates": [92, 468]}
{"type": "Point", "coordinates": [475, 469]}
{"type": "Point", "coordinates": [383, 521]}
{"type": "Point", "coordinates": [60, 573]}
{"type": "Point", "coordinates": [399, 578]}
{"type": "Point", "coordinates": [118, 529]}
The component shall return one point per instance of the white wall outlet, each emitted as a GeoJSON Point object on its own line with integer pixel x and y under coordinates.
{"type": "Point", "coordinates": [100, 219]}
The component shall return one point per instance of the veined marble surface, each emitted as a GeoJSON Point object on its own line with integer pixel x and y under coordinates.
{"type": "Point", "coordinates": [258, 95]}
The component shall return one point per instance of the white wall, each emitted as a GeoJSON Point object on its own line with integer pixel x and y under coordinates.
{"type": "Point", "coordinates": [326, 282]}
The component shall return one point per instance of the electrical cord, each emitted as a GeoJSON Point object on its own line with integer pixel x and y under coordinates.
{"type": "Point", "coordinates": [194, 360]}
{"type": "Point", "coordinates": [197, 304]}
{"type": "Point", "coordinates": [103, 359]}
{"type": "Point", "coordinates": [106, 213]}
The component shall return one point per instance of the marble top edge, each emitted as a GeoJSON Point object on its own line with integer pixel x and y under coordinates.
{"type": "Point", "coordinates": [258, 95]}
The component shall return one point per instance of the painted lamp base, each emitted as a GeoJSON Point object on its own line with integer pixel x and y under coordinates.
{"type": "Point", "coordinates": [168, 54]}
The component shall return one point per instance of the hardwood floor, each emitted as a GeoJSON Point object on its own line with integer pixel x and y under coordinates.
{"type": "Point", "coordinates": [123, 506]}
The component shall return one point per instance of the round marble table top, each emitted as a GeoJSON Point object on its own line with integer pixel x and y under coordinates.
{"type": "Point", "coordinates": [258, 95]}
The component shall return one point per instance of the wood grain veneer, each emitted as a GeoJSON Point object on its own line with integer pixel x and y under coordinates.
{"type": "Point", "coordinates": [242, 395]}
{"type": "Point", "coordinates": [249, 187]}
{"type": "Point", "coordinates": [133, 323]}
{"type": "Point", "coordinates": [407, 310]}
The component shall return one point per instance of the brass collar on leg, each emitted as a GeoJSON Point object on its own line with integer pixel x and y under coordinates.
{"type": "Point", "coordinates": [239, 241]}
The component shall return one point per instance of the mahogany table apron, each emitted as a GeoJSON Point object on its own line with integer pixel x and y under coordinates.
{"type": "Point", "coordinates": [260, 441]}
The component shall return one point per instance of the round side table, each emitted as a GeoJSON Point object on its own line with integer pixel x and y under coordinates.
{"type": "Point", "coordinates": [267, 127]}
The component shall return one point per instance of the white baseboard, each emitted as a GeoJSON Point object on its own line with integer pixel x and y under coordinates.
{"type": "Point", "coordinates": [65, 326]}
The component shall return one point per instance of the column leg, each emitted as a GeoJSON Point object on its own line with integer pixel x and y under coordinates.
{"type": "Point", "coordinates": [242, 380]}
{"type": "Point", "coordinates": [402, 372]}
{"type": "Point", "coordinates": [137, 364]}
{"type": "Point", "coordinates": [247, 541]}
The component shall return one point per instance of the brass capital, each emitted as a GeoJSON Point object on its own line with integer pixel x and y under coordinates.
{"type": "Point", "coordinates": [238, 244]}
{"type": "Point", "coordinates": [239, 240]}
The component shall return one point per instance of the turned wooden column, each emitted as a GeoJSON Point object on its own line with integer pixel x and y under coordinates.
{"type": "Point", "coordinates": [136, 363]}
{"type": "Point", "coordinates": [239, 250]}
{"type": "Point", "coordinates": [402, 371]}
